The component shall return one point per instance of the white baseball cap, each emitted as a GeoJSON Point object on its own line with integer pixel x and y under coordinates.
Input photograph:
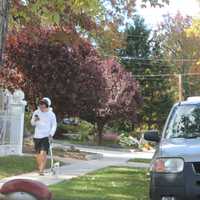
{"type": "Point", "coordinates": [48, 100]}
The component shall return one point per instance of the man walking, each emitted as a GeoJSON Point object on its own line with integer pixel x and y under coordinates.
{"type": "Point", "coordinates": [44, 121]}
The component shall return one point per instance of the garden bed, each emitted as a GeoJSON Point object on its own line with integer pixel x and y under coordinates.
{"type": "Point", "coordinates": [75, 154]}
{"type": "Point", "coordinates": [71, 153]}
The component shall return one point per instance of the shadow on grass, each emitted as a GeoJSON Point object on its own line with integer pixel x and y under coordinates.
{"type": "Point", "coordinates": [114, 183]}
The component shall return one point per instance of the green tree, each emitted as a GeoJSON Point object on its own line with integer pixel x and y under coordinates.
{"type": "Point", "coordinates": [193, 34]}
{"type": "Point", "coordinates": [97, 20]}
{"type": "Point", "coordinates": [142, 56]}
{"type": "Point", "coordinates": [181, 47]}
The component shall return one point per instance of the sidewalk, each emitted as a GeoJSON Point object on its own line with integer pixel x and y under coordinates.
{"type": "Point", "coordinates": [75, 169]}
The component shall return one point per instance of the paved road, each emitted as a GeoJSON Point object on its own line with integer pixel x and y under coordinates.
{"type": "Point", "coordinates": [126, 155]}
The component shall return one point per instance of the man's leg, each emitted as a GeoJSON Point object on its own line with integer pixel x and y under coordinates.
{"type": "Point", "coordinates": [43, 161]}
{"type": "Point", "coordinates": [37, 149]}
{"type": "Point", "coordinates": [38, 160]}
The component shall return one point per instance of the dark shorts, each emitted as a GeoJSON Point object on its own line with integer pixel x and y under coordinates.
{"type": "Point", "coordinates": [41, 144]}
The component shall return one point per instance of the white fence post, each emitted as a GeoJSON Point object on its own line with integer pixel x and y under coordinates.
{"type": "Point", "coordinates": [13, 118]}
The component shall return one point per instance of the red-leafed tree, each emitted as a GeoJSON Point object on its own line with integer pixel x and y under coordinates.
{"type": "Point", "coordinates": [10, 76]}
{"type": "Point", "coordinates": [68, 73]}
{"type": "Point", "coordinates": [79, 82]}
{"type": "Point", "coordinates": [122, 95]}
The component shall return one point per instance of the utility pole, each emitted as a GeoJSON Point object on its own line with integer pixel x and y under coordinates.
{"type": "Point", "coordinates": [4, 7]}
{"type": "Point", "coordinates": [180, 88]}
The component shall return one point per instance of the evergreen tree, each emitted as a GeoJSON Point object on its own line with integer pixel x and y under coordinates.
{"type": "Point", "coordinates": [142, 56]}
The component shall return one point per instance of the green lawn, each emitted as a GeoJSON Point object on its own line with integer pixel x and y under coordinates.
{"type": "Point", "coordinates": [140, 160]}
{"type": "Point", "coordinates": [15, 165]}
{"type": "Point", "coordinates": [114, 183]}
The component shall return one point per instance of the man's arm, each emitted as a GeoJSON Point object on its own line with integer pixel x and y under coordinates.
{"type": "Point", "coordinates": [33, 121]}
{"type": "Point", "coordinates": [53, 125]}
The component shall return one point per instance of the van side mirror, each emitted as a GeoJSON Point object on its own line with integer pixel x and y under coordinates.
{"type": "Point", "coordinates": [152, 136]}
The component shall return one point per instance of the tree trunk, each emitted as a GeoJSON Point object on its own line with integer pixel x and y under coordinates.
{"type": "Point", "coordinates": [100, 127]}
{"type": "Point", "coordinates": [132, 127]}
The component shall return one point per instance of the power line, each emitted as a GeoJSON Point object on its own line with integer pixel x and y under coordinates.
{"type": "Point", "coordinates": [154, 75]}
{"type": "Point", "coordinates": [158, 59]}
{"type": "Point", "coordinates": [161, 76]}
{"type": "Point", "coordinates": [151, 79]}
{"type": "Point", "coordinates": [143, 64]}
{"type": "Point", "coordinates": [137, 36]}
{"type": "Point", "coordinates": [166, 75]}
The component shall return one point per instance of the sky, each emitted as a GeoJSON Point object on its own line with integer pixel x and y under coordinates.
{"type": "Point", "coordinates": [154, 15]}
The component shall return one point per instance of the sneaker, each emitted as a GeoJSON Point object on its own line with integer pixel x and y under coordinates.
{"type": "Point", "coordinates": [41, 173]}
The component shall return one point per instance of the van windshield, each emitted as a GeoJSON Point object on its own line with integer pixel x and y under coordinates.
{"type": "Point", "coordinates": [184, 122]}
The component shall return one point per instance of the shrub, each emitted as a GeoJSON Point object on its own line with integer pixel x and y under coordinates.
{"type": "Point", "coordinates": [110, 136]}
{"type": "Point", "coordinates": [28, 129]}
{"type": "Point", "coordinates": [128, 141]}
{"type": "Point", "coordinates": [84, 129]}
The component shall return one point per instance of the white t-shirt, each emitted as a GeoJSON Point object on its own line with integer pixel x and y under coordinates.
{"type": "Point", "coordinates": [47, 124]}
